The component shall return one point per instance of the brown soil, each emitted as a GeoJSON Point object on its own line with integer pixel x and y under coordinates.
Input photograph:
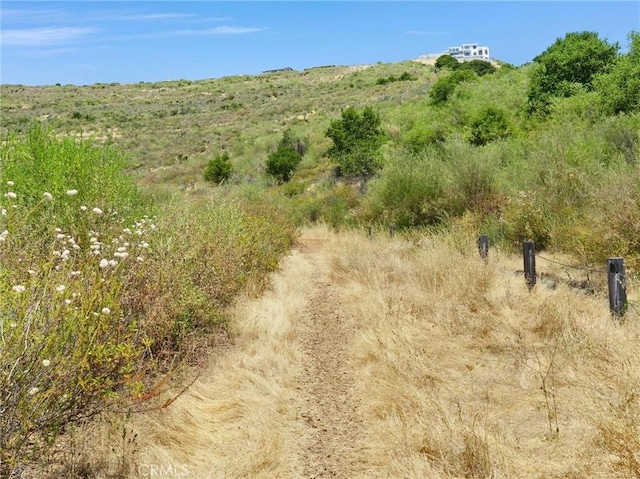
{"type": "Point", "coordinates": [328, 424]}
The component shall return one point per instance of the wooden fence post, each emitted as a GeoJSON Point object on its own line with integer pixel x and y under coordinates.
{"type": "Point", "coordinates": [370, 232]}
{"type": "Point", "coordinates": [483, 247]}
{"type": "Point", "coordinates": [617, 286]}
{"type": "Point", "coordinates": [392, 230]}
{"type": "Point", "coordinates": [529, 254]}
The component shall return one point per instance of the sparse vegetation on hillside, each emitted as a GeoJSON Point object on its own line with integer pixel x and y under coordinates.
{"type": "Point", "coordinates": [549, 151]}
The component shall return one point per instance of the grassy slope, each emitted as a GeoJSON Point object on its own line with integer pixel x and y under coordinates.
{"type": "Point", "coordinates": [171, 129]}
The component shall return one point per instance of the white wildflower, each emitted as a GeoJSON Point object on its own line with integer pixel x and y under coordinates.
{"type": "Point", "coordinates": [97, 211]}
{"type": "Point", "coordinates": [33, 391]}
{"type": "Point", "coordinates": [75, 273]}
{"type": "Point", "coordinates": [83, 208]}
{"type": "Point", "coordinates": [66, 254]}
{"type": "Point", "coordinates": [60, 236]}
{"type": "Point", "coordinates": [58, 230]}
{"type": "Point", "coordinates": [56, 254]}
{"type": "Point", "coordinates": [112, 262]}
{"type": "Point", "coordinates": [31, 272]}
{"type": "Point", "coordinates": [4, 212]}
{"type": "Point", "coordinates": [67, 301]}
{"type": "Point", "coordinates": [46, 363]}
{"type": "Point", "coordinates": [10, 183]}
{"type": "Point", "coordinates": [47, 196]}
{"type": "Point", "coordinates": [139, 259]}
{"type": "Point", "coordinates": [106, 310]}
{"type": "Point", "coordinates": [104, 263]}
{"type": "Point", "coordinates": [72, 192]}
{"type": "Point", "coordinates": [11, 195]}
{"type": "Point", "coordinates": [19, 288]}
{"type": "Point", "coordinates": [144, 244]}
{"type": "Point", "coordinates": [61, 288]}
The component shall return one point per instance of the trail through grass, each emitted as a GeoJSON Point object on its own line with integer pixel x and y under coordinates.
{"type": "Point", "coordinates": [398, 358]}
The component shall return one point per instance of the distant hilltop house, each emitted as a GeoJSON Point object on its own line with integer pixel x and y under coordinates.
{"type": "Point", "coordinates": [277, 70]}
{"type": "Point", "coordinates": [467, 52]}
{"type": "Point", "coordinates": [463, 53]}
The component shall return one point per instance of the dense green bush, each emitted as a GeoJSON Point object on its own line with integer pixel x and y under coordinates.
{"type": "Point", "coordinates": [219, 169]}
{"type": "Point", "coordinates": [357, 140]}
{"type": "Point", "coordinates": [283, 162]}
{"type": "Point", "coordinates": [620, 87]}
{"type": "Point", "coordinates": [480, 67]}
{"type": "Point", "coordinates": [570, 63]}
{"type": "Point", "coordinates": [447, 61]}
{"type": "Point", "coordinates": [490, 125]}
{"type": "Point", "coordinates": [445, 86]}
{"type": "Point", "coordinates": [408, 193]}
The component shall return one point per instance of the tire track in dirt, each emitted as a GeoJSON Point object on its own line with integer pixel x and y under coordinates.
{"type": "Point", "coordinates": [328, 424]}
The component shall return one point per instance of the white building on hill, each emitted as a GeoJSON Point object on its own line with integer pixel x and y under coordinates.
{"type": "Point", "coordinates": [467, 52]}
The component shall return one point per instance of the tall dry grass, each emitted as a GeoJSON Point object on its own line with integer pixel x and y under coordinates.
{"type": "Point", "coordinates": [459, 372]}
{"type": "Point", "coordinates": [464, 373]}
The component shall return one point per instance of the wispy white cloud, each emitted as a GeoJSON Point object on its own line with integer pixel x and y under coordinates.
{"type": "Point", "coordinates": [156, 16]}
{"type": "Point", "coordinates": [44, 36]}
{"type": "Point", "coordinates": [222, 30]}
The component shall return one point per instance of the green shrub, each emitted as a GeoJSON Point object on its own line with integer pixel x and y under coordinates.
{"type": "Point", "coordinates": [219, 169]}
{"type": "Point", "coordinates": [480, 67]}
{"type": "Point", "coordinates": [573, 60]}
{"type": "Point", "coordinates": [408, 193]}
{"type": "Point", "coordinates": [490, 125]}
{"type": "Point", "coordinates": [282, 163]}
{"type": "Point", "coordinates": [445, 86]}
{"type": "Point", "coordinates": [620, 87]}
{"type": "Point", "coordinates": [447, 61]}
{"type": "Point", "coordinates": [357, 140]}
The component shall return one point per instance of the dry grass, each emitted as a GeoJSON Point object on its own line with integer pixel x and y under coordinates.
{"type": "Point", "coordinates": [464, 373]}
{"type": "Point", "coordinates": [458, 372]}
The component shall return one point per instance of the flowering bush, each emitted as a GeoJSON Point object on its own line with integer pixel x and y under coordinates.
{"type": "Point", "coordinates": [68, 347]}
{"type": "Point", "coordinates": [94, 294]}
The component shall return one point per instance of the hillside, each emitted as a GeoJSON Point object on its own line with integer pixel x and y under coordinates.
{"type": "Point", "coordinates": [149, 235]}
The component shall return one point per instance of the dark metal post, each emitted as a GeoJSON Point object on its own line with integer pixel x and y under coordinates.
{"type": "Point", "coordinates": [483, 247]}
{"type": "Point", "coordinates": [370, 232]}
{"type": "Point", "coordinates": [617, 286]}
{"type": "Point", "coordinates": [529, 253]}
{"type": "Point", "coordinates": [392, 230]}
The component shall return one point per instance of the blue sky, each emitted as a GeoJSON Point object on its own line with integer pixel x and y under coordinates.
{"type": "Point", "coordinates": [86, 42]}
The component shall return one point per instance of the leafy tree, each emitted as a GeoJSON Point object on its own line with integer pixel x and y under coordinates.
{"type": "Point", "coordinates": [568, 64]}
{"type": "Point", "coordinates": [620, 87]}
{"type": "Point", "coordinates": [443, 88]}
{"type": "Point", "coordinates": [219, 169]}
{"type": "Point", "coordinates": [282, 163]}
{"type": "Point", "coordinates": [357, 140]}
{"type": "Point", "coordinates": [447, 61]}
{"type": "Point", "coordinates": [491, 125]}
{"type": "Point", "coordinates": [481, 67]}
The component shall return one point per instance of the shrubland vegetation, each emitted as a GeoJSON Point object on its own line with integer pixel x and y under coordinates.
{"type": "Point", "coordinates": [548, 151]}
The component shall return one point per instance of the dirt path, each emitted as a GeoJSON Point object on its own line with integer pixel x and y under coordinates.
{"type": "Point", "coordinates": [328, 423]}
{"type": "Point", "coordinates": [280, 403]}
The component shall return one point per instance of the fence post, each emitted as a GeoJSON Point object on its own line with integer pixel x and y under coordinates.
{"type": "Point", "coordinates": [529, 253]}
{"type": "Point", "coordinates": [370, 232]}
{"type": "Point", "coordinates": [483, 247]}
{"type": "Point", "coordinates": [392, 230]}
{"type": "Point", "coordinates": [617, 286]}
